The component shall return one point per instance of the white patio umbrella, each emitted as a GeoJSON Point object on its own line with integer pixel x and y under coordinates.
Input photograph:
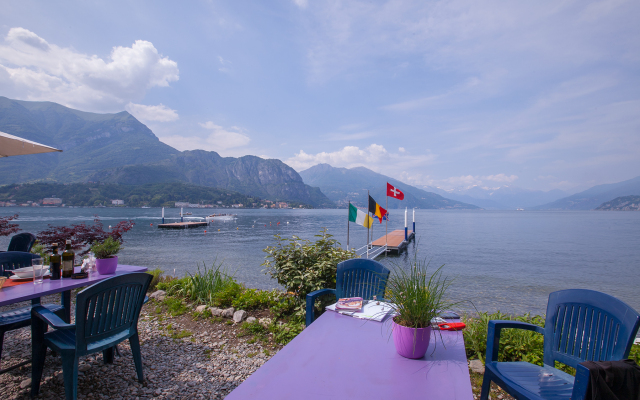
{"type": "Point", "coordinates": [14, 146]}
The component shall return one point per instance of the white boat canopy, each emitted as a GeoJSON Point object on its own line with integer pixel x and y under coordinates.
{"type": "Point", "coordinates": [14, 146]}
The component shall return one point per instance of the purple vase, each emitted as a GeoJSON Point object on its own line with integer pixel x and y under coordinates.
{"type": "Point", "coordinates": [106, 266]}
{"type": "Point", "coordinates": [411, 342]}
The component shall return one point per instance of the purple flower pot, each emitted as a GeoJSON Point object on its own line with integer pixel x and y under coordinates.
{"type": "Point", "coordinates": [106, 266]}
{"type": "Point", "coordinates": [411, 342]}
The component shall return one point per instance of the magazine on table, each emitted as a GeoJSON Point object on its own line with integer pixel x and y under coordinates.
{"type": "Point", "coordinates": [371, 310]}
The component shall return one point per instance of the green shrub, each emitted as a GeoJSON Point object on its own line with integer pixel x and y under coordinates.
{"type": "Point", "coordinates": [172, 285]}
{"type": "Point", "coordinates": [283, 334]}
{"type": "Point", "coordinates": [175, 306]}
{"type": "Point", "coordinates": [225, 296]}
{"type": "Point", "coordinates": [252, 328]}
{"type": "Point", "coordinates": [285, 306]}
{"type": "Point", "coordinates": [303, 266]}
{"type": "Point", "coordinates": [156, 274]}
{"type": "Point", "coordinates": [211, 284]}
{"type": "Point", "coordinates": [251, 299]}
{"type": "Point", "coordinates": [39, 249]}
{"type": "Point", "coordinates": [634, 354]}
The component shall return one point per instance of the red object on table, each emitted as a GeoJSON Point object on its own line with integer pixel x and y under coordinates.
{"type": "Point", "coordinates": [452, 326]}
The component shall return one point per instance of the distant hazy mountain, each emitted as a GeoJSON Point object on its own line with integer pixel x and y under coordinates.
{"type": "Point", "coordinates": [502, 198]}
{"type": "Point", "coordinates": [595, 196]}
{"type": "Point", "coordinates": [342, 185]}
{"type": "Point", "coordinates": [117, 148]}
{"type": "Point", "coordinates": [626, 203]}
{"type": "Point", "coordinates": [90, 142]}
{"type": "Point", "coordinates": [250, 175]}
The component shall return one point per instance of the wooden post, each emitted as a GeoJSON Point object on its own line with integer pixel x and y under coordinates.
{"type": "Point", "coordinates": [348, 211]}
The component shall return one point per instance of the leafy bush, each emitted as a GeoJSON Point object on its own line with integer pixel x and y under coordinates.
{"type": "Point", "coordinates": [252, 328]}
{"type": "Point", "coordinates": [156, 274]}
{"type": "Point", "coordinates": [251, 299]}
{"type": "Point", "coordinates": [83, 235]}
{"type": "Point", "coordinates": [285, 306]}
{"type": "Point", "coordinates": [634, 354]}
{"type": "Point", "coordinates": [109, 247]}
{"type": "Point", "coordinates": [175, 306]}
{"type": "Point", "coordinates": [40, 250]}
{"type": "Point", "coordinates": [284, 333]}
{"type": "Point", "coordinates": [303, 266]}
{"type": "Point", "coordinates": [225, 296]}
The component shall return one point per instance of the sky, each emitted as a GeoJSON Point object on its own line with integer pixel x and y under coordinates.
{"type": "Point", "coordinates": [539, 95]}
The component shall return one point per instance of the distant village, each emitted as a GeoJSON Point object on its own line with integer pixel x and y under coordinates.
{"type": "Point", "coordinates": [57, 202]}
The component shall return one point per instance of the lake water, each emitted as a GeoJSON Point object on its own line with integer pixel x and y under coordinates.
{"type": "Point", "coordinates": [501, 260]}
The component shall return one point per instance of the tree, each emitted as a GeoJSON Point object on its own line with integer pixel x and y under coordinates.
{"type": "Point", "coordinates": [82, 235]}
{"type": "Point", "coordinates": [7, 228]}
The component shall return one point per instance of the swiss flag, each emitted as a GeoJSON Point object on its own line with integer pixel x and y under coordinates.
{"type": "Point", "coordinates": [392, 191]}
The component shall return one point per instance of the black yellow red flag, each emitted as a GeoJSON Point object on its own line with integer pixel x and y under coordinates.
{"type": "Point", "coordinates": [375, 209]}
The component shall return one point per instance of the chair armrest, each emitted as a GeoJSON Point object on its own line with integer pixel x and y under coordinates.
{"type": "Point", "coordinates": [493, 335]}
{"type": "Point", "coordinates": [311, 299]}
{"type": "Point", "coordinates": [581, 383]}
{"type": "Point", "coordinates": [50, 318]}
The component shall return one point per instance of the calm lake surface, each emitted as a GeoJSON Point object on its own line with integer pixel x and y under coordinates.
{"type": "Point", "coordinates": [501, 260]}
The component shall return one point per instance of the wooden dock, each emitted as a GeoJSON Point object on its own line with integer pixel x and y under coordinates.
{"type": "Point", "coordinates": [182, 225]}
{"type": "Point", "coordinates": [394, 240]}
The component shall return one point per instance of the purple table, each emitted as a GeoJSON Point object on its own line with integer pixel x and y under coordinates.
{"type": "Point", "coordinates": [340, 357]}
{"type": "Point", "coordinates": [29, 291]}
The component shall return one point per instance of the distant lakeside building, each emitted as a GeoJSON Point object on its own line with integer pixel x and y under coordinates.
{"type": "Point", "coordinates": [51, 201]}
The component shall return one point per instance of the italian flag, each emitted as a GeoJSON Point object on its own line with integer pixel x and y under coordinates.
{"type": "Point", "coordinates": [359, 217]}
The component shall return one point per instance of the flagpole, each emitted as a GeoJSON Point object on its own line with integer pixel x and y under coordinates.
{"type": "Point", "coordinates": [368, 195]}
{"type": "Point", "coordinates": [386, 221]}
{"type": "Point", "coordinates": [348, 211]}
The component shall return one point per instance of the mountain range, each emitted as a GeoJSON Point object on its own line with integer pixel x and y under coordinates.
{"type": "Point", "coordinates": [342, 185]}
{"type": "Point", "coordinates": [119, 149]}
{"type": "Point", "coordinates": [500, 198]}
{"type": "Point", "coordinates": [595, 196]}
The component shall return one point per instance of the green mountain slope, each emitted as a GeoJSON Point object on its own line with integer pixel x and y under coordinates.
{"type": "Point", "coordinates": [270, 179]}
{"type": "Point", "coordinates": [117, 148]}
{"type": "Point", "coordinates": [154, 195]}
{"type": "Point", "coordinates": [342, 185]}
{"type": "Point", "coordinates": [625, 203]}
{"type": "Point", "coordinates": [90, 142]}
{"type": "Point", "coordinates": [595, 196]}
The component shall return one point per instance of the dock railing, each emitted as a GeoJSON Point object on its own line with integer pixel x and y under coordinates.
{"type": "Point", "coordinates": [371, 252]}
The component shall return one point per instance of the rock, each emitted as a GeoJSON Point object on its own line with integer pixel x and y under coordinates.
{"type": "Point", "coordinates": [265, 321]}
{"type": "Point", "coordinates": [477, 366]}
{"type": "Point", "coordinates": [158, 295]}
{"type": "Point", "coordinates": [239, 316]}
{"type": "Point", "coordinates": [228, 313]}
{"type": "Point", "coordinates": [201, 308]}
{"type": "Point", "coordinates": [25, 383]}
{"type": "Point", "coordinates": [216, 312]}
{"type": "Point", "coordinates": [251, 320]}
{"type": "Point", "coordinates": [84, 367]}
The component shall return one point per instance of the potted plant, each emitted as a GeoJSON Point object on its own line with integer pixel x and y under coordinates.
{"type": "Point", "coordinates": [416, 297]}
{"type": "Point", "coordinates": [105, 252]}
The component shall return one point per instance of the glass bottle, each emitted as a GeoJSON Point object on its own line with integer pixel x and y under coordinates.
{"type": "Point", "coordinates": [55, 263]}
{"type": "Point", "coordinates": [68, 258]}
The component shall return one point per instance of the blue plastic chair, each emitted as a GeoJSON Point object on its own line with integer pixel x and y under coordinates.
{"type": "Point", "coordinates": [358, 277]}
{"type": "Point", "coordinates": [19, 317]}
{"type": "Point", "coordinates": [10, 260]}
{"type": "Point", "coordinates": [581, 325]}
{"type": "Point", "coordinates": [22, 242]}
{"type": "Point", "coordinates": [106, 314]}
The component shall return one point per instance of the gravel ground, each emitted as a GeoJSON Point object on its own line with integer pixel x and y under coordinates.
{"type": "Point", "coordinates": [208, 363]}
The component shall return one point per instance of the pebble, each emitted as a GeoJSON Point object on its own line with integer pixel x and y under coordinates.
{"type": "Point", "coordinates": [239, 316]}
{"type": "Point", "coordinates": [228, 313]}
{"type": "Point", "coordinates": [476, 366]}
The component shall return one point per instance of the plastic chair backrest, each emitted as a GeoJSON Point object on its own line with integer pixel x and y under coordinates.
{"type": "Point", "coordinates": [10, 260]}
{"type": "Point", "coordinates": [22, 242]}
{"type": "Point", "coordinates": [585, 325]}
{"type": "Point", "coordinates": [109, 308]}
{"type": "Point", "coordinates": [360, 277]}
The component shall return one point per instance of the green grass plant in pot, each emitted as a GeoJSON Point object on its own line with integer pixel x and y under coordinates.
{"type": "Point", "coordinates": [416, 296]}
{"type": "Point", "coordinates": [105, 252]}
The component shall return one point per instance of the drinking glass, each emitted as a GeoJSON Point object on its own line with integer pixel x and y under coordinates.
{"type": "Point", "coordinates": [38, 270]}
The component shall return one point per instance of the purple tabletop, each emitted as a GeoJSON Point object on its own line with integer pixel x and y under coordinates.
{"type": "Point", "coordinates": [340, 357]}
{"type": "Point", "coordinates": [28, 291]}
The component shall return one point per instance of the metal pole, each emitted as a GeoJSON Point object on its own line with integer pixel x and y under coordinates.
{"type": "Point", "coordinates": [386, 222]}
{"type": "Point", "coordinates": [405, 223]}
{"type": "Point", "coordinates": [181, 218]}
{"type": "Point", "coordinates": [348, 212]}
{"type": "Point", "coordinates": [367, 224]}
{"type": "Point", "coordinates": [163, 215]}
{"type": "Point", "coordinates": [414, 220]}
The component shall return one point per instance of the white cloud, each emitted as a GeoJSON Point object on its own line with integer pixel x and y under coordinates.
{"type": "Point", "coordinates": [160, 113]}
{"type": "Point", "coordinates": [217, 139]}
{"type": "Point", "coordinates": [225, 65]}
{"type": "Point", "coordinates": [33, 69]}
{"type": "Point", "coordinates": [301, 3]}
{"type": "Point", "coordinates": [374, 157]}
